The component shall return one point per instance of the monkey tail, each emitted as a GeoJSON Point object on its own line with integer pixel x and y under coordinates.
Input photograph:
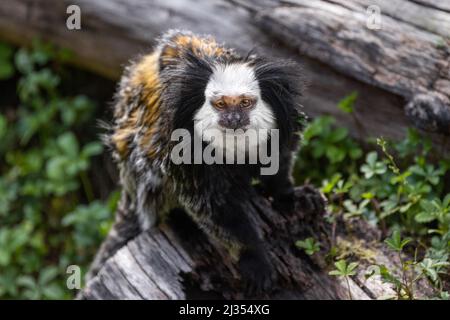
{"type": "Point", "coordinates": [125, 228]}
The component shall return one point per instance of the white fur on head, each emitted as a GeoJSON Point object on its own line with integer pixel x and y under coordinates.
{"type": "Point", "coordinates": [232, 80]}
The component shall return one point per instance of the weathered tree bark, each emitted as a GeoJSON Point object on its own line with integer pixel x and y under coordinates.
{"type": "Point", "coordinates": [177, 261]}
{"type": "Point", "coordinates": [408, 54]}
{"type": "Point", "coordinates": [406, 62]}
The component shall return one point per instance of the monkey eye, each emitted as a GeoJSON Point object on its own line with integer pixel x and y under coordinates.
{"type": "Point", "coordinates": [245, 103]}
{"type": "Point", "coordinates": [219, 104]}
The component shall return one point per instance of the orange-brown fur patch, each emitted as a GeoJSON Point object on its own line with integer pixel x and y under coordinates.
{"type": "Point", "coordinates": [145, 75]}
{"type": "Point", "coordinates": [199, 46]}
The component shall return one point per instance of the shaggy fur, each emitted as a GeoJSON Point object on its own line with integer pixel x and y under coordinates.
{"type": "Point", "coordinates": [165, 90]}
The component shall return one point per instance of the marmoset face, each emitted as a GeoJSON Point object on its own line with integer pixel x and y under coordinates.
{"type": "Point", "coordinates": [233, 104]}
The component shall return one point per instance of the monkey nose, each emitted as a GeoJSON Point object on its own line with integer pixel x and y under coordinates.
{"type": "Point", "coordinates": [234, 117]}
{"type": "Point", "coordinates": [232, 121]}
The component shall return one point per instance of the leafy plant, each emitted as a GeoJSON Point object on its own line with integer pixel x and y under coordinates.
{"type": "Point", "coordinates": [345, 271]}
{"type": "Point", "coordinates": [50, 216]}
{"type": "Point", "coordinates": [6, 65]}
{"type": "Point", "coordinates": [401, 187]}
{"type": "Point", "coordinates": [310, 245]}
{"type": "Point", "coordinates": [435, 210]}
{"type": "Point", "coordinates": [347, 104]}
{"type": "Point", "coordinates": [411, 269]}
{"type": "Point", "coordinates": [396, 243]}
{"type": "Point", "coordinates": [330, 148]}
{"type": "Point", "coordinates": [372, 167]}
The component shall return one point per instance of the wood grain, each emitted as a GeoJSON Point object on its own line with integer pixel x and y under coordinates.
{"type": "Point", "coordinates": [177, 261]}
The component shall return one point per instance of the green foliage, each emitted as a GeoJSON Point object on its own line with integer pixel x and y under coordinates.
{"type": "Point", "coordinates": [347, 104]}
{"type": "Point", "coordinates": [327, 146]}
{"type": "Point", "coordinates": [343, 269]}
{"type": "Point", "coordinates": [49, 217]}
{"type": "Point", "coordinates": [395, 242]}
{"type": "Point", "coordinates": [310, 245]}
{"type": "Point", "coordinates": [44, 287]}
{"type": "Point", "coordinates": [435, 210]}
{"type": "Point", "coordinates": [412, 270]}
{"type": "Point", "coordinates": [403, 188]}
{"type": "Point", "coordinates": [6, 65]}
{"type": "Point", "coordinates": [372, 167]}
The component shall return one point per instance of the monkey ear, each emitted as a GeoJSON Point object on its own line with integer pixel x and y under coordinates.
{"type": "Point", "coordinates": [281, 84]}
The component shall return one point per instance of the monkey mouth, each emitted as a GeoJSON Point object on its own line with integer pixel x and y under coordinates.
{"type": "Point", "coordinates": [234, 131]}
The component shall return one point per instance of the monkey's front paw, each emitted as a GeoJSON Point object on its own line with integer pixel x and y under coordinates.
{"type": "Point", "coordinates": [310, 200]}
{"type": "Point", "coordinates": [257, 274]}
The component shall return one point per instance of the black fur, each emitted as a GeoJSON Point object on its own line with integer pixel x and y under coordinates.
{"type": "Point", "coordinates": [185, 85]}
{"type": "Point", "coordinates": [219, 197]}
{"type": "Point", "coordinates": [281, 87]}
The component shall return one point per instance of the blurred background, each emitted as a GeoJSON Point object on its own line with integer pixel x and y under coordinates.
{"type": "Point", "coordinates": [377, 93]}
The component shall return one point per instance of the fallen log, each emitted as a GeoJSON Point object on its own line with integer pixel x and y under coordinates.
{"type": "Point", "coordinates": [408, 54]}
{"type": "Point", "coordinates": [406, 62]}
{"type": "Point", "coordinates": [177, 261]}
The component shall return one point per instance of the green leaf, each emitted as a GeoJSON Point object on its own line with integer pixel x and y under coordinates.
{"type": "Point", "coordinates": [446, 202]}
{"type": "Point", "coordinates": [351, 268]}
{"type": "Point", "coordinates": [371, 158]}
{"type": "Point", "coordinates": [55, 168]}
{"type": "Point", "coordinates": [47, 275]}
{"type": "Point", "coordinates": [368, 195]}
{"type": "Point", "coordinates": [23, 61]}
{"type": "Point", "coordinates": [387, 276]}
{"type": "Point", "coordinates": [347, 104]}
{"type": "Point", "coordinates": [3, 126]}
{"type": "Point", "coordinates": [68, 144]}
{"type": "Point", "coordinates": [53, 292]}
{"type": "Point", "coordinates": [355, 153]}
{"type": "Point", "coordinates": [395, 242]}
{"type": "Point", "coordinates": [6, 70]}
{"type": "Point", "coordinates": [328, 186]}
{"type": "Point", "coordinates": [309, 245]}
{"type": "Point", "coordinates": [92, 149]}
{"type": "Point", "coordinates": [335, 154]}
{"type": "Point", "coordinates": [6, 51]}
{"type": "Point", "coordinates": [427, 205]}
{"type": "Point", "coordinates": [444, 295]}
{"type": "Point", "coordinates": [339, 134]}
{"type": "Point", "coordinates": [27, 282]}
{"type": "Point", "coordinates": [344, 270]}
{"type": "Point", "coordinates": [6, 66]}
{"type": "Point", "coordinates": [5, 257]}
{"type": "Point", "coordinates": [424, 217]}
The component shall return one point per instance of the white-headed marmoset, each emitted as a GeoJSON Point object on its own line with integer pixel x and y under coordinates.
{"type": "Point", "coordinates": [192, 82]}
